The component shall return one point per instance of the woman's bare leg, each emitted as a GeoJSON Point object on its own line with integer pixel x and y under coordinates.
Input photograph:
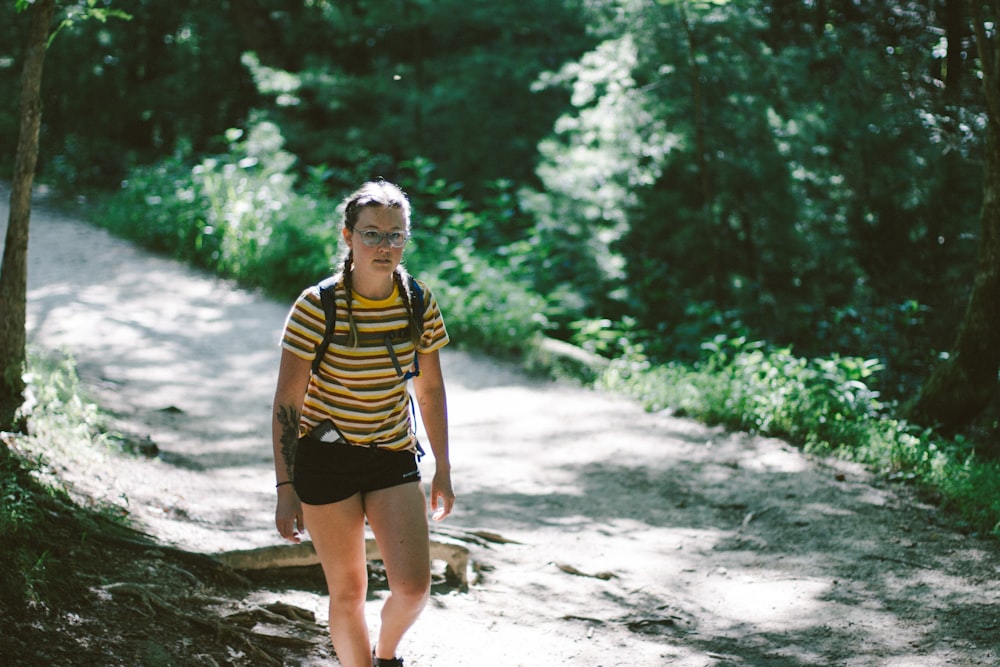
{"type": "Point", "coordinates": [338, 534]}
{"type": "Point", "coordinates": [398, 517]}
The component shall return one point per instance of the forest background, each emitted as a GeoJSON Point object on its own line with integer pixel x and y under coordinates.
{"type": "Point", "coordinates": [761, 214]}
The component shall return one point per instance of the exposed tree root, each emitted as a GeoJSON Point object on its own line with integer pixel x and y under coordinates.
{"type": "Point", "coordinates": [245, 629]}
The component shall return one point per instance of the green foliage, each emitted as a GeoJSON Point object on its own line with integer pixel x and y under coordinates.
{"type": "Point", "coordinates": [59, 414]}
{"type": "Point", "coordinates": [382, 82]}
{"type": "Point", "coordinates": [817, 402]}
{"type": "Point", "coordinates": [486, 307]}
{"type": "Point", "coordinates": [19, 512]}
{"type": "Point", "coordinates": [235, 213]}
{"type": "Point", "coordinates": [604, 337]}
{"type": "Point", "coordinates": [87, 10]}
{"type": "Point", "coordinates": [122, 92]}
{"type": "Point", "coordinates": [590, 171]}
{"type": "Point", "coordinates": [743, 157]}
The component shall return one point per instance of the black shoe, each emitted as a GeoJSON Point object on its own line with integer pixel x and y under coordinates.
{"type": "Point", "coordinates": [386, 662]}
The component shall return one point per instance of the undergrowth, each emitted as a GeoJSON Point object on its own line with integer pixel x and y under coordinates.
{"type": "Point", "coordinates": [42, 530]}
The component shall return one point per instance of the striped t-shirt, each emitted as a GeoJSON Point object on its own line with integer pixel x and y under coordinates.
{"type": "Point", "coordinates": [358, 388]}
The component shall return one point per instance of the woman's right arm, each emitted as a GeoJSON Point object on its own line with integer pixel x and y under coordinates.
{"type": "Point", "coordinates": [293, 380]}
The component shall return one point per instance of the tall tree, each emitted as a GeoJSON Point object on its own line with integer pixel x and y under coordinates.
{"type": "Point", "coordinates": [14, 271]}
{"type": "Point", "coordinates": [964, 385]}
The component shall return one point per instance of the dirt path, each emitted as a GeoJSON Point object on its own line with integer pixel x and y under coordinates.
{"type": "Point", "coordinates": [709, 548]}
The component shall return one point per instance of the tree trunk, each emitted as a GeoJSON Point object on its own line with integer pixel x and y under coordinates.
{"type": "Point", "coordinates": [14, 270]}
{"type": "Point", "coordinates": [958, 390]}
{"type": "Point", "coordinates": [701, 159]}
{"type": "Point", "coordinates": [956, 30]}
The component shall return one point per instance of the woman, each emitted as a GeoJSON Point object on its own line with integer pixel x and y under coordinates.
{"type": "Point", "coordinates": [344, 444]}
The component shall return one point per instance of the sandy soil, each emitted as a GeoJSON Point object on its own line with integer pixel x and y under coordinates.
{"type": "Point", "coordinates": [637, 539]}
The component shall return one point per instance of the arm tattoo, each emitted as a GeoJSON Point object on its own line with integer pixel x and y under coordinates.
{"type": "Point", "coordinates": [289, 420]}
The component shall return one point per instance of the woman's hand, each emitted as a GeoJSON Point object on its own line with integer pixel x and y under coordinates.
{"type": "Point", "coordinates": [288, 514]}
{"type": "Point", "coordinates": [442, 495]}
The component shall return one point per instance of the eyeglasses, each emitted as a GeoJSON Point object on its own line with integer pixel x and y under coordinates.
{"type": "Point", "coordinates": [373, 238]}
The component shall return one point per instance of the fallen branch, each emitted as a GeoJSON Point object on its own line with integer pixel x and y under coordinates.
{"type": "Point", "coordinates": [455, 557]}
{"type": "Point", "coordinates": [750, 516]}
{"type": "Point", "coordinates": [901, 561]}
{"type": "Point", "coordinates": [569, 569]}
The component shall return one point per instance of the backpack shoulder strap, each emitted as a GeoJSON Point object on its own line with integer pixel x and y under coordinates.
{"type": "Point", "coordinates": [418, 295]}
{"type": "Point", "coordinates": [418, 308]}
{"type": "Point", "coordinates": [328, 297]}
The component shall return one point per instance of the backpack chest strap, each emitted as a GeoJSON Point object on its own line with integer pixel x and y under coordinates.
{"type": "Point", "coordinates": [327, 293]}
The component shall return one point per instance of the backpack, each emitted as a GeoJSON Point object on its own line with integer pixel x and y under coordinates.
{"type": "Point", "coordinates": [328, 297]}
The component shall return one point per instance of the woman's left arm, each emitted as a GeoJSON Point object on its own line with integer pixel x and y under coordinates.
{"type": "Point", "coordinates": [433, 402]}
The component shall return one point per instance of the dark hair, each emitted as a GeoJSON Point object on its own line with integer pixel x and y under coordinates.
{"type": "Point", "coordinates": [375, 193]}
{"type": "Point", "coordinates": [378, 193]}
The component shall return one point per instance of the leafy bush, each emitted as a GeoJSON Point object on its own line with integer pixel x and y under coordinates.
{"type": "Point", "coordinates": [485, 307]}
{"type": "Point", "coordinates": [235, 214]}
{"type": "Point", "coordinates": [812, 402]}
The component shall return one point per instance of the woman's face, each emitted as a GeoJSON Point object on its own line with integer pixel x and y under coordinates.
{"type": "Point", "coordinates": [381, 258]}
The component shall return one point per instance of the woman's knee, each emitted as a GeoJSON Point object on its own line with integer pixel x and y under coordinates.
{"type": "Point", "coordinates": [414, 591]}
{"type": "Point", "coordinates": [347, 593]}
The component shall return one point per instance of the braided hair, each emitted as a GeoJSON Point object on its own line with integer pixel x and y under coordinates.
{"type": "Point", "coordinates": [377, 194]}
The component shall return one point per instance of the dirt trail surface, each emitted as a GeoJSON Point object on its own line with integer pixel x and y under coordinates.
{"type": "Point", "coordinates": [635, 539]}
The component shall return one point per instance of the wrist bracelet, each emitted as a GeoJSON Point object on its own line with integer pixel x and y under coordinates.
{"type": "Point", "coordinates": [282, 484]}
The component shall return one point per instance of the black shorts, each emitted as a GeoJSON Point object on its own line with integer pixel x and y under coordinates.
{"type": "Point", "coordinates": [328, 472]}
